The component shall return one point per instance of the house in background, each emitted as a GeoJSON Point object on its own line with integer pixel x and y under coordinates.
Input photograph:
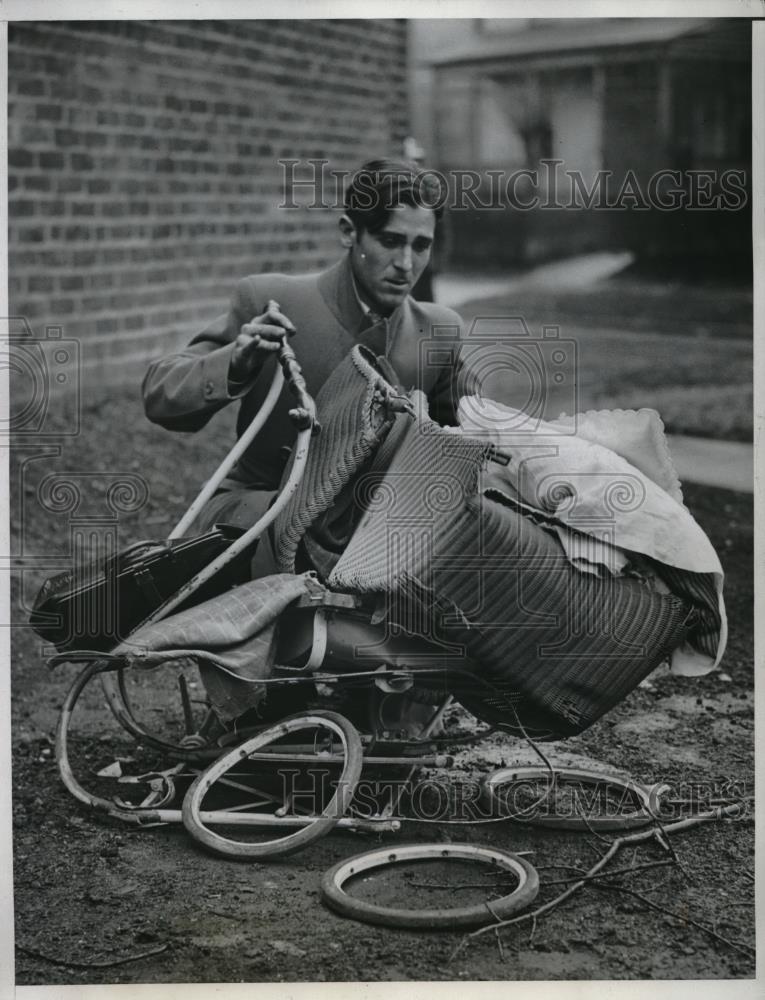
{"type": "Point", "coordinates": [612, 94]}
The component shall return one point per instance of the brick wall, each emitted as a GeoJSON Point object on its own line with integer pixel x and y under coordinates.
{"type": "Point", "coordinates": [142, 165]}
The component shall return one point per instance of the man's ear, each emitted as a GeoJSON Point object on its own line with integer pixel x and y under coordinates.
{"type": "Point", "coordinates": [347, 232]}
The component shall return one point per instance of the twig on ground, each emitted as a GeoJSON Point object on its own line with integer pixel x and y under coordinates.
{"type": "Point", "coordinates": [500, 946]}
{"type": "Point", "coordinates": [659, 887]}
{"type": "Point", "coordinates": [497, 936]}
{"type": "Point", "coordinates": [228, 916]}
{"type": "Point", "coordinates": [616, 871]}
{"type": "Point", "coordinates": [573, 868]}
{"type": "Point", "coordinates": [594, 848]}
{"type": "Point", "coordinates": [634, 838]}
{"type": "Point", "coordinates": [105, 964]}
{"type": "Point", "coordinates": [450, 885]}
{"type": "Point", "coordinates": [598, 836]}
{"type": "Point", "coordinates": [669, 847]}
{"type": "Point", "coordinates": [737, 945]}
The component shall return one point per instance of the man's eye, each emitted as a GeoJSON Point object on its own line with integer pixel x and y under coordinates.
{"type": "Point", "coordinates": [421, 246]}
{"type": "Point", "coordinates": [389, 242]}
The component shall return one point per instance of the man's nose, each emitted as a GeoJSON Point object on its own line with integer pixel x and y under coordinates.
{"type": "Point", "coordinates": [403, 259]}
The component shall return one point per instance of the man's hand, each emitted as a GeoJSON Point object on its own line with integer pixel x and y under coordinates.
{"type": "Point", "coordinates": [261, 336]}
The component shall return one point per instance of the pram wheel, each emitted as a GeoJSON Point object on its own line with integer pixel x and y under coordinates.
{"type": "Point", "coordinates": [451, 918]}
{"type": "Point", "coordinates": [310, 827]}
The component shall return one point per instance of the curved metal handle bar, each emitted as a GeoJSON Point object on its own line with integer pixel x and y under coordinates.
{"type": "Point", "coordinates": [236, 452]}
{"type": "Point", "coordinates": [112, 692]}
{"type": "Point", "coordinates": [245, 540]}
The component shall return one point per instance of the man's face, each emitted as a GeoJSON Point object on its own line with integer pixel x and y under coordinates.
{"type": "Point", "coordinates": [387, 264]}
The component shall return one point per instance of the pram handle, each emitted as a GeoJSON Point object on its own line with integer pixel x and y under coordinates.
{"type": "Point", "coordinates": [304, 417]}
{"type": "Point", "coordinates": [304, 414]}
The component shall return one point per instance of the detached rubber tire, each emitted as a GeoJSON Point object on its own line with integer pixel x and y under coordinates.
{"type": "Point", "coordinates": [292, 842]}
{"type": "Point", "coordinates": [476, 915]}
{"type": "Point", "coordinates": [646, 800]}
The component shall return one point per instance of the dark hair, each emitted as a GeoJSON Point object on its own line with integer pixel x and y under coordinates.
{"type": "Point", "coordinates": [379, 186]}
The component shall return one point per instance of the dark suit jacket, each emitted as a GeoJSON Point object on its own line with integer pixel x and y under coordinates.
{"type": "Point", "coordinates": [421, 340]}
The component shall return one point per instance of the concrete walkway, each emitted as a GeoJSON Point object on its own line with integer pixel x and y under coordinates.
{"type": "Point", "coordinates": [728, 464]}
{"type": "Point", "coordinates": [575, 272]}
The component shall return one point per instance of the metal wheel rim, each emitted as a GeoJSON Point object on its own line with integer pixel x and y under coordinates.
{"type": "Point", "coordinates": [296, 840]}
{"type": "Point", "coordinates": [475, 915]}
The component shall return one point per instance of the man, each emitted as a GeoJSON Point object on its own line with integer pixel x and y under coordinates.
{"type": "Point", "coordinates": [387, 232]}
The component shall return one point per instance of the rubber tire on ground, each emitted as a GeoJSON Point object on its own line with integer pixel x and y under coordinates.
{"type": "Point", "coordinates": [475, 915]}
{"type": "Point", "coordinates": [300, 838]}
{"type": "Point", "coordinates": [648, 798]}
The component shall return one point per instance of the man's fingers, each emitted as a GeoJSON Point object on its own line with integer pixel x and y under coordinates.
{"type": "Point", "coordinates": [273, 314]}
{"type": "Point", "coordinates": [265, 331]}
{"type": "Point", "coordinates": [262, 335]}
{"type": "Point", "coordinates": [262, 344]}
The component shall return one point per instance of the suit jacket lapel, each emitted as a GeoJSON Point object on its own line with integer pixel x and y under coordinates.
{"type": "Point", "coordinates": [398, 339]}
{"type": "Point", "coordinates": [336, 288]}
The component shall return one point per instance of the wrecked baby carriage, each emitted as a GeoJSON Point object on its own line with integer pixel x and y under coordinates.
{"type": "Point", "coordinates": [403, 567]}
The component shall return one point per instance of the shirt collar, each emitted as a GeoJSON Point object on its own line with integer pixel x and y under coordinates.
{"type": "Point", "coordinates": [364, 307]}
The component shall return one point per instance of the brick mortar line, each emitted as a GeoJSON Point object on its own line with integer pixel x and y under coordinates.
{"type": "Point", "coordinates": [345, 30]}
{"type": "Point", "coordinates": [352, 111]}
{"type": "Point", "coordinates": [215, 238]}
{"type": "Point", "coordinates": [100, 200]}
{"type": "Point", "coordinates": [249, 248]}
{"type": "Point", "coordinates": [286, 127]}
{"type": "Point", "coordinates": [272, 64]}
{"type": "Point", "coordinates": [192, 275]}
{"type": "Point", "coordinates": [260, 204]}
{"type": "Point", "coordinates": [122, 241]}
{"type": "Point", "coordinates": [294, 96]}
{"type": "Point", "coordinates": [276, 100]}
{"type": "Point", "coordinates": [62, 269]}
{"type": "Point", "coordinates": [267, 64]}
{"type": "Point", "coordinates": [114, 312]}
{"type": "Point", "coordinates": [215, 292]}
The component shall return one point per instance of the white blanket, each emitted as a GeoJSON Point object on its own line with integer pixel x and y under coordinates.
{"type": "Point", "coordinates": [587, 483]}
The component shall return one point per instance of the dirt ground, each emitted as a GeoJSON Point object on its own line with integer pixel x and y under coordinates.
{"type": "Point", "coordinates": [89, 891]}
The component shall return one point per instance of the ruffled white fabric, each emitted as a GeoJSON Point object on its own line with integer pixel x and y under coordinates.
{"type": "Point", "coordinates": [613, 481]}
{"type": "Point", "coordinates": [637, 435]}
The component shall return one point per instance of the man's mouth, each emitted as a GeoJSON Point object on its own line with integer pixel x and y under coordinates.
{"type": "Point", "coordinates": [397, 282]}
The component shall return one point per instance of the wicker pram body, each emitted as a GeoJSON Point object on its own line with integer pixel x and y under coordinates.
{"type": "Point", "coordinates": [396, 511]}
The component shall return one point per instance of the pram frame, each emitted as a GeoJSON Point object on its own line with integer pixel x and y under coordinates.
{"type": "Point", "coordinates": [111, 669]}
